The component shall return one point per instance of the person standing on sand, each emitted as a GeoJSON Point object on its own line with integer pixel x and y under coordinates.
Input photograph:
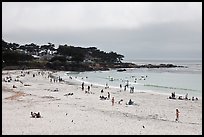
{"type": "Point", "coordinates": [125, 88]}
{"type": "Point", "coordinates": [177, 114]}
{"type": "Point", "coordinates": [113, 100]}
{"type": "Point", "coordinates": [106, 86]}
{"type": "Point", "coordinates": [108, 95]}
{"type": "Point", "coordinates": [82, 86]}
{"type": "Point", "coordinates": [186, 97]}
{"type": "Point", "coordinates": [88, 88]}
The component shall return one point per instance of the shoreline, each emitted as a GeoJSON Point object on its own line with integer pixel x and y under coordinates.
{"type": "Point", "coordinates": [79, 81]}
{"type": "Point", "coordinates": [85, 113]}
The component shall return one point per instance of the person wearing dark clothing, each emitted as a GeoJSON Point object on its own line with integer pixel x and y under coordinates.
{"type": "Point", "coordinates": [88, 88]}
{"type": "Point", "coordinates": [82, 86]}
{"type": "Point", "coordinates": [108, 95]}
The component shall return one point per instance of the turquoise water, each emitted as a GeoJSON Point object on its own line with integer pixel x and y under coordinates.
{"type": "Point", "coordinates": [163, 80]}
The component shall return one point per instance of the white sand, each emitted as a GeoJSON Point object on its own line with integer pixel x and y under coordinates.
{"type": "Point", "coordinates": [82, 113]}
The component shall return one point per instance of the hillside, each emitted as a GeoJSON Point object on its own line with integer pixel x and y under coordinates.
{"type": "Point", "coordinates": [62, 58]}
{"type": "Point", "coordinates": [67, 58]}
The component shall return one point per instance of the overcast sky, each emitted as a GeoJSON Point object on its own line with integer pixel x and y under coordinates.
{"type": "Point", "coordinates": [137, 30]}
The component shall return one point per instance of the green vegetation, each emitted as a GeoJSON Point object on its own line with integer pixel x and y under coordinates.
{"type": "Point", "coordinates": [63, 58]}
{"type": "Point", "coordinates": [67, 58]}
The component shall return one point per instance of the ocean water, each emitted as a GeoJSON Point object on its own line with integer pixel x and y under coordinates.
{"type": "Point", "coordinates": [160, 80]}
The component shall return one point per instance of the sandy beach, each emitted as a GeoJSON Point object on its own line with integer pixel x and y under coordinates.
{"type": "Point", "coordinates": [83, 113]}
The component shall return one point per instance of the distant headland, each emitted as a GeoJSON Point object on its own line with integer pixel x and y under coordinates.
{"type": "Point", "coordinates": [64, 58]}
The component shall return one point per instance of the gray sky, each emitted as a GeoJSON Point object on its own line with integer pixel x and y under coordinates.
{"type": "Point", "coordinates": [137, 30]}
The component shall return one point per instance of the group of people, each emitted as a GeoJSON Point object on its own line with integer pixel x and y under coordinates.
{"type": "Point", "coordinates": [173, 96]}
{"type": "Point", "coordinates": [88, 88]}
{"type": "Point", "coordinates": [69, 94]}
{"type": "Point", "coordinates": [130, 102]}
{"type": "Point", "coordinates": [126, 86]}
{"type": "Point", "coordinates": [35, 115]}
{"type": "Point", "coordinates": [7, 79]}
{"type": "Point", "coordinates": [82, 86]}
{"type": "Point", "coordinates": [55, 79]}
{"type": "Point", "coordinates": [102, 97]}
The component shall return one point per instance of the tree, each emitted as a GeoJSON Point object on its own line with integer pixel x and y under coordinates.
{"type": "Point", "coordinates": [49, 47]}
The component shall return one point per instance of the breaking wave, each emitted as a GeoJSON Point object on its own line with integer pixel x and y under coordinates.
{"type": "Point", "coordinates": [166, 87]}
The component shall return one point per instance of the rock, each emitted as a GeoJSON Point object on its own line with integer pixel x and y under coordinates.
{"type": "Point", "coordinates": [120, 70]}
